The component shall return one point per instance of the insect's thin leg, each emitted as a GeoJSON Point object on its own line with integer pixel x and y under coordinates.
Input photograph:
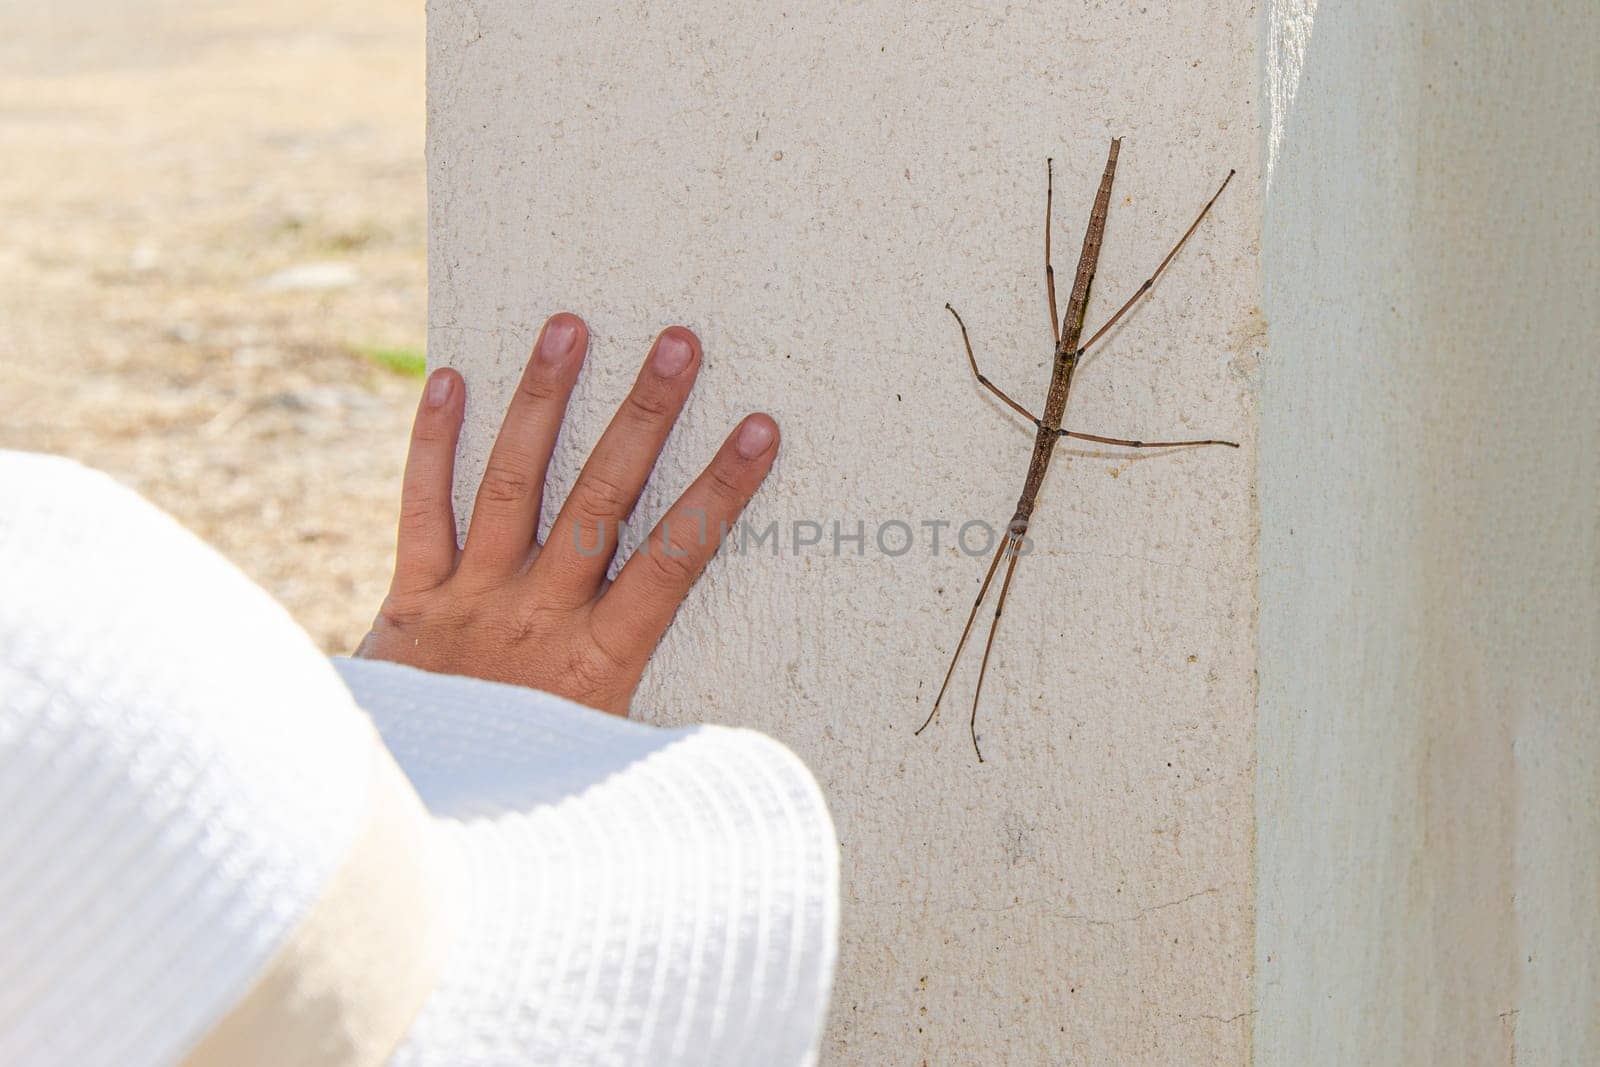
{"type": "Point", "coordinates": [994, 627]}
{"type": "Point", "coordinates": [956, 656]}
{"type": "Point", "coordinates": [1148, 282]}
{"type": "Point", "coordinates": [1049, 271]}
{"type": "Point", "coordinates": [1141, 444]}
{"type": "Point", "coordinates": [985, 382]}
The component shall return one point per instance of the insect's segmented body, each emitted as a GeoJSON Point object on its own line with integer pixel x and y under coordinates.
{"type": "Point", "coordinates": [1044, 443]}
{"type": "Point", "coordinates": [1066, 357]}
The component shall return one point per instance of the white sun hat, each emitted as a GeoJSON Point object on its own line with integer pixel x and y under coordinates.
{"type": "Point", "coordinates": [217, 847]}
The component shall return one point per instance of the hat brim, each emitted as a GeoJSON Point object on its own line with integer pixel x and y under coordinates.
{"type": "Point", "coordinates": [627, 894]}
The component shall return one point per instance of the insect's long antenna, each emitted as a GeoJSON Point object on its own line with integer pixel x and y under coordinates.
{"type": "Point", "coordinates": [1148, 282]}
{"type": "Point", "coordinates": [956, 656]}
{"type": "Point", "coordinates": [1005, 587]}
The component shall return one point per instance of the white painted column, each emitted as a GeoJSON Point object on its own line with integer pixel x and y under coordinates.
{"type": "Point", "coordinates": [1428, 805]}
{"type": "Point", "coordinates": [806, 185]}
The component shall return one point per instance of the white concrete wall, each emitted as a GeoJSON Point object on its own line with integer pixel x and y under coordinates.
{"type": "Point", "coordinates": [1428, 805]}
{"type": "Point", "coordinates": [806, 186]}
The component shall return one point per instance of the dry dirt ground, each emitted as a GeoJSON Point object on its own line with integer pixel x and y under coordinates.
{"type": "Point", "coordinates": [164, 164]}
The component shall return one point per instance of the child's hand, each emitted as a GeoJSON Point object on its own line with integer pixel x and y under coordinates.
{"type": "Point", "coordinates": [507, 608]}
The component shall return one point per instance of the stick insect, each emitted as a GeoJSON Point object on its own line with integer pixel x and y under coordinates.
{"type": "Point", "coordinates": [1067, 354]}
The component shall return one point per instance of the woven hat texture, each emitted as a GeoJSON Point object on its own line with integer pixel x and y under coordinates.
{"type": "Point", "coordinates": [181, 772]}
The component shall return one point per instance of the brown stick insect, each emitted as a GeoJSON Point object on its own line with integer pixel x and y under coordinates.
{"type": "Point", "coordinates": [1067, 354]}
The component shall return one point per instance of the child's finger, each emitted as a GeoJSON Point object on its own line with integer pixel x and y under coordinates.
{"type": "Point", "coordinates": [505, 516]}
{"type": "Point", "coordinates": [578, 551]}
{"type": "Point", "coordinates": [641, 603]}
{"type": "Point", "coordinates": [426, 549]}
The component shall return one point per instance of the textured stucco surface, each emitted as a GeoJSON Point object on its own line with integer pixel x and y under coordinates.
{"type": "Point", "coordinates": [806, 186]}
{"type": "Point", "coordinates": [1428, 806]}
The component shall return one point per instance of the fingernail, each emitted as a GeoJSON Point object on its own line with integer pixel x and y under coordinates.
{"type": "Point", "coordinates": [755, 437]}
{"type": "Point", "coordinates": [439, 386]}
{"type": "Point", "coordinates": [560, 338]}
{"type": "Point", "coordinates": [673, 353]}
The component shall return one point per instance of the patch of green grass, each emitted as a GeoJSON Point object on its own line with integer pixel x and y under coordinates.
{"type": "Point", "coordinates": [410, 362]}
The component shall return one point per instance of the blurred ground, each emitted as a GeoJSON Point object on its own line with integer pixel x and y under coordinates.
{"type": "Point", "coordinates": [210, 211]}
